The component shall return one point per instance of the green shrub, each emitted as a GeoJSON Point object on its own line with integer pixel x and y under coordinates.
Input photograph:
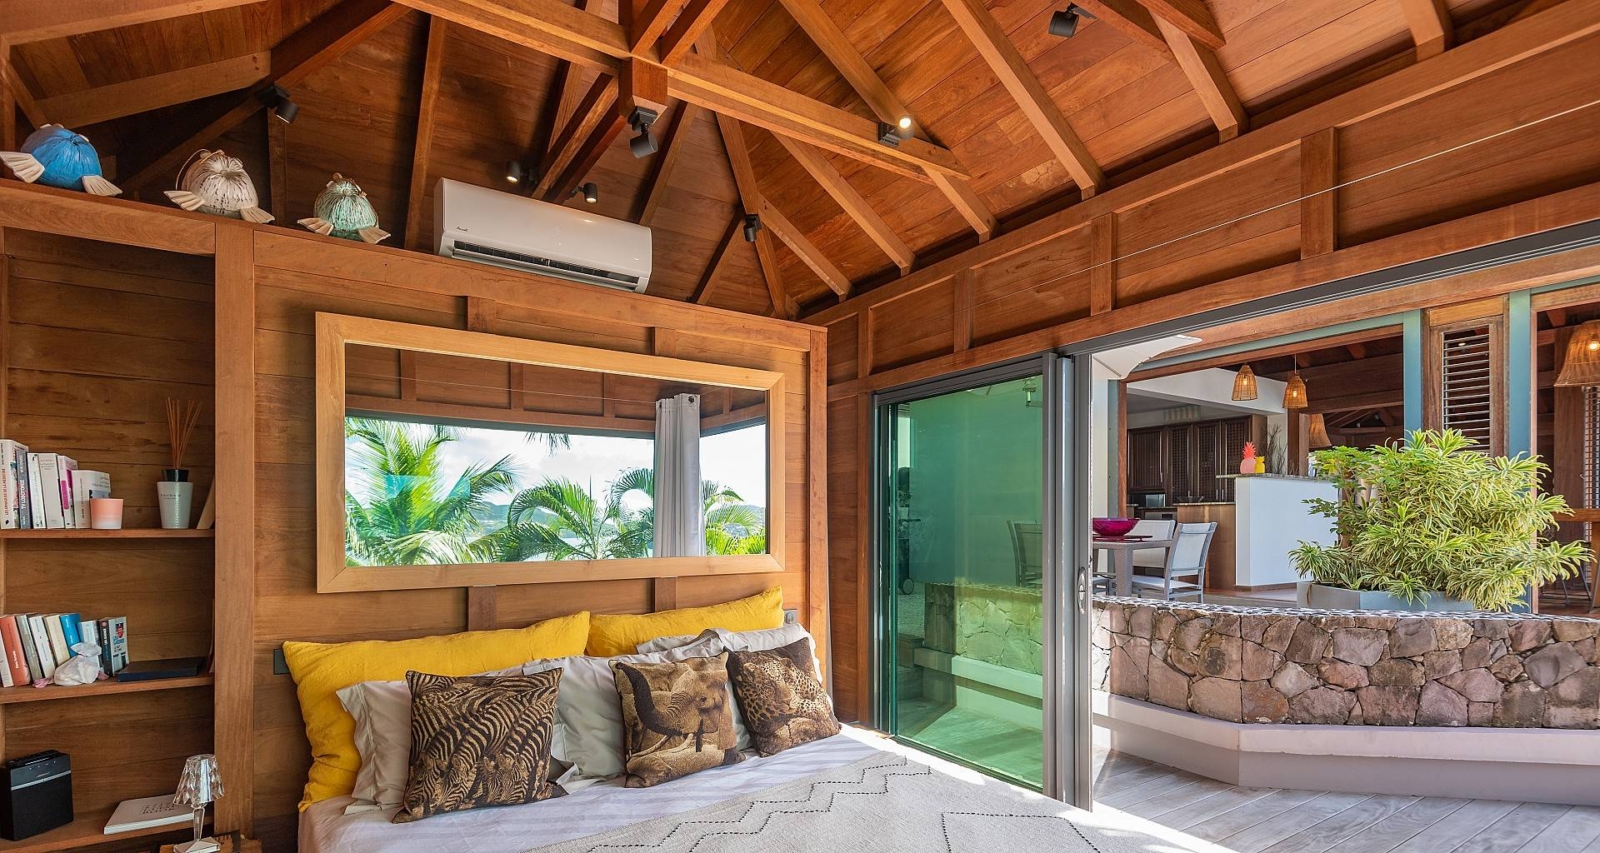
{"type": "Point", "coordinates": [1434, 515]}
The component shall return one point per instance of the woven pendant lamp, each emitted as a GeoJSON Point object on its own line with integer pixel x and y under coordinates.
{"type": "Point", "coordinates": [1582, 366]}
{"type": "Point", "coordinates": [1319, 432]}
{"type": "Point", "coordinates": [1244, 384]}
{"type": "Point", "coordinates": [1294, 391]}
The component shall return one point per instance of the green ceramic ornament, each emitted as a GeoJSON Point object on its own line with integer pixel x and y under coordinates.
{"type": "Point", "coordinates": [343, 211]}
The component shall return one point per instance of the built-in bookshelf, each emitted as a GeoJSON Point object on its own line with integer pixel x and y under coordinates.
{"type": "Point", "coordinates": [94, 338]}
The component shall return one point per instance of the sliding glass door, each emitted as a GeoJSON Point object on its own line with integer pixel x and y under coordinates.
{"type": "Point", "coordinates": [965, 578]}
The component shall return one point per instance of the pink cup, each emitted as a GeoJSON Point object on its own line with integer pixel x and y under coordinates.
{"type": "Point", "coordinates": [105, 513]}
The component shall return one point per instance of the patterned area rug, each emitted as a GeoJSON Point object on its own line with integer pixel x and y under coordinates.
{"type": "Point", "coordinates": [884, 804]}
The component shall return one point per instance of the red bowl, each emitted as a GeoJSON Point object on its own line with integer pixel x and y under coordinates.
{"type": "Point", "coordinates": [1112, 526]}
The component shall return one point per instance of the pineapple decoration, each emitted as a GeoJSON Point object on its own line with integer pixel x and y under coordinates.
{"type": "Point", "coordinates": [1251, 464]}
{"type": "Point", "coordinates": [343, 210]}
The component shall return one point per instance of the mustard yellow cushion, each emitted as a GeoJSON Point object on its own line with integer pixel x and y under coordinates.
{"type": "Point", "coordinates": [619, 635]}
{"type": "Point", "coordinates": [320, 670]}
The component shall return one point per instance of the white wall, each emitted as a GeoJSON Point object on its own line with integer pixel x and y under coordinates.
{"type": "Point", "coordinates": [1271, 520]}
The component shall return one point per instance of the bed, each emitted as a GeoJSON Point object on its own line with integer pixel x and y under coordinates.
{"type": "Point", "coordinates": [853, 790]}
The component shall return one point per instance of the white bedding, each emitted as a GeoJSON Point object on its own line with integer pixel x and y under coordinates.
{"type": "Point", "coordinates": [606, 806]}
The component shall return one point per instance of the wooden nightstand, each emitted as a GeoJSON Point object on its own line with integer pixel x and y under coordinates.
{"type": "Point", "coordinates": [231, 843]}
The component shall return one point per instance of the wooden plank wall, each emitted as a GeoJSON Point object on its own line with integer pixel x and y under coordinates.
{"type": "Point", "coordinates": [97, 337]}
{"type": "Point", "coordinates": [296, 276]}
{"type": "Point", "coordinates": [1177, 241]}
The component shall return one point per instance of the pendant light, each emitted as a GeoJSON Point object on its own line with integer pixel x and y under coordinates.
{"type": "Point", "coordinates": [1582, 366]}
{"type": "Point", "coordinates": [1244, 384]}
{"type": "Point", "coordinates": [1294, 391]}
{"type": "Point", "coordinates": [1319, 433]}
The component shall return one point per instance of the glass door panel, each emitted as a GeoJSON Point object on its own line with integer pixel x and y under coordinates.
{"type": "Point", "coordinates": [962, 575]}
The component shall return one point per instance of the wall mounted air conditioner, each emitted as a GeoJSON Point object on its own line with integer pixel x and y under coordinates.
{"type": "Point", "coordinates": [511, 231]}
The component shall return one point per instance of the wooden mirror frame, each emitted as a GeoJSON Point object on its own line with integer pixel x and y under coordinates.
{"type": "Point", "coordinates": [335, 331]}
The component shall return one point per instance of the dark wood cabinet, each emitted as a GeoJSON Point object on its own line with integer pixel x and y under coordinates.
{"type": "Point", "coordinates": [1183, 461]}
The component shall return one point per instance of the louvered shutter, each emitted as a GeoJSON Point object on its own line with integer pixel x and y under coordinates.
{"type": "Point", "coordinates": [1467, 384]}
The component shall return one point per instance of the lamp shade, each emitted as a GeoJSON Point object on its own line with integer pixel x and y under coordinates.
{"type": "Point", "coordinates": [1244, 384]}
{"type": "Point", "coordinates": [201, 782]}
{"type": "Point", "coordinates": [1582, 366]}
{"type": "Point", "coordinates": [1294, 392]}
{"type": "Point", "coordinates": [1319, 432]}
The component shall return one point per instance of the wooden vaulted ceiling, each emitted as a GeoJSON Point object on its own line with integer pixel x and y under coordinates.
{"type": "Point", "coordinates": [1010, 121]}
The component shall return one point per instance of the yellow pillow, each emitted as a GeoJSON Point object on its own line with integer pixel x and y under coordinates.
{"type": "Point", "coordinates": [320, 670]}
{"type": "Point", "coordinates": [619, 635]}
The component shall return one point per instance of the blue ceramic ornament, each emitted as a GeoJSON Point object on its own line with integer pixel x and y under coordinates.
{"type": "Point", "coordinates": [212, 182]}
{"type": "Point", "coordinates": [57, 157]}
{"type": "Point", "coordinates": [342, 210]}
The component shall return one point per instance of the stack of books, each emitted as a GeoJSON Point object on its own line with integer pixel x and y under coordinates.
{"type": "Point", "coordinates": [40, 491]}
{"type": "Point", "coordinates": [34, 644]}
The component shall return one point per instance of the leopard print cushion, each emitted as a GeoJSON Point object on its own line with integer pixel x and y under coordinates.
{"type": "Point", "coordinates": [479, 741]}
{"type": "Point", "coordinates": [675, 718]}
{"type": "Point", "coordinates": [783, 703]}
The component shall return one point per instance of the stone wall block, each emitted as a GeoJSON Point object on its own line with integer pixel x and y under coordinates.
{"type": "Point", "coordinates": [1570, 630]}
{"type": "Point", "coordinates": [1190, 633]}
{"type": "Point", "coordinates": [1292, 680]}
{"type": "Point", "coordinates": [1126, 679]}
{"type": "Point", "coordinates": [1226, 624]}
{"type": "Point", "coordinates": [1322, 706]}
{"type": "Point", "coordinates": [1396, 672]}
{"type": "Point", "coordinates": [1263, 704]}
{"type": "Point", "coordinates": [1411, 637]}
{"type": "Point", "coordinates": [1165, 623]}
{"type": "Point", "coordinates": [1494, 629]}
{"type": "Point", "coordinates": [1220, 656]}
{"type": "Point", "coordinates": [1259, 662]}
{"type": "Point", "coordinates": [1219, 698]}
{"type": "Point", "coordinates": [1441, 706]}
{"type": "Point", "coordinates": [1552, 663]}
{"type": "Point", "coordinates": [1252, 627]}
{"type": "Point", "coordinates": [1388, 706]}
{"type": "Point", "coordinates": [1478, 685]}
{"type": "Point", "coordinates": [1440, 664]}
{"type": "Point", "coordinates": [1345, 675]}
{"type": "Point", "coordinates": [1451, 633]}
{"type": "Point", "coordinates": [1279, 632]}
{"type": "Point", "coordinates": [1168, 686]}
{"type": "Point", "coordinates": [1307, 644]}
{"type": "Point", "coordinates": [1477, 654]}
{"type": "Point", "coordinates": [1507, 669]}
{"type": "Point", "coordinates": [1481, 713]}
{"type": "Point", "coordinates": [1528, 634]}
{"type": "Point", "coordinates": [1522, 707]}
{"type": "Point", "coordinates": [1360, 646]}
{"type": "Point", "coordinates": [1141, 621]}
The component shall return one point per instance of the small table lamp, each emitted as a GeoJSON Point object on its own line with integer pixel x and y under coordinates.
{"type": "Point", "coordinates": [201, 784]}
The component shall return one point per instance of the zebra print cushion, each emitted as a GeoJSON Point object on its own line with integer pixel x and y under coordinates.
{"type": "Point", "coordinates": [675, 718]}
{"type": "Point", "coordinates": [782, 702]}
{"type": "Point", "coordinates": [479, 741]}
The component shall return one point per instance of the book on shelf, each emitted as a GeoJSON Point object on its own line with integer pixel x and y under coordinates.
{"type": "Point", "coordinates": [145, 813]}
{"type": "Point", "coordinates": [41, 642]}
{"type": "Point", "coordinates": [14, 482]}
{"type": "Point", "coordinates": [65, 465]}
{"type": "Point", "coordinates": [115, 648]}
{"type": "Point", "coordinates": [58, 639]}
{"type": "Point", "coordinates": [16, 662]}
{"type": "Point", "coordinates": [35, 493]}
{"type": "Point", "coordinates": [30, 649]}
{"type": "Point", "coordinates": [154, 670]}
{"type": "Point", "coordinates": [87, 484]}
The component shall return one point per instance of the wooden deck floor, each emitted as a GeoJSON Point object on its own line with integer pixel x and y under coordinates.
{"type": "Point", "coordinates": [1269, 820]}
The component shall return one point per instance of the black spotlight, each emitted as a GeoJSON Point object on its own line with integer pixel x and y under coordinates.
{"type": "Point", "coordinates": [590, 192]}
{"type": "Point", "coordinates": [640, 120]}
{"type": "Point", "coordinates": [1065, 22]}
{"type": "Point", "coordinates": [514, 172]}
{"type": "Point", "coordinates": [752, 225]}
{"type": "Point", "coordinates": [888, 134]}
{"type": "Point", "coordinates": [277, 99]}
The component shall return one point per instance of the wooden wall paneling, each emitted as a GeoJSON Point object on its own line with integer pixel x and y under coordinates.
{"type": "Point", "coordinates": [53, 211]}
{"type": "Point", "coordinates": [1319, 196]}
{"type": "Point", "coordinates": [913, 328]}
{"type": "Point", "coordinates": [1037, 288]}
{"type": "Point", "coordinates": [816, 421]}
{"type": "Point", "coordinates": [1103, 264]}
{"type": "Point", "coordinates": [961, 317]}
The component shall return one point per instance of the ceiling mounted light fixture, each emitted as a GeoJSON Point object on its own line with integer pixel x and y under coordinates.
{"type": "Point", "coordinates": [889, 134]}
{"type": "Point", "coordinates": [752, 226]}
{"type": "Point", "coordinates": [590, 192]}
{"type": "Point", "coordinates": [1582, 365]}
{"type": "Point", "coordinates": [1319, 432]}
{"type": "Point", "coordinates": [514, 172]}
{"type": "Point", "coordinates": [1294, 391]}
{"type": "Point", "coordinates": [1244, 384]}
{"type": "Point", "coordinates": [1064, 23]}
{"type": "Point", "coordinates": [277, 99]}
{"type": "Point", "coordinates": [644, 144]}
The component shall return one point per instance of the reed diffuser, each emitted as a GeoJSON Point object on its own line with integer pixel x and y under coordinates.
{"type": "Point", "coordinates": [175, 494]}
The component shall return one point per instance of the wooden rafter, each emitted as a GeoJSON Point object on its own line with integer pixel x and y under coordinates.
{"type": "Point", "coordinates": [650, 22]}
{"type": "Point", "coordinates": [597, 106]}
{"type": "Point", "coordinates": [565, 85]}
{"type": "Point", "coordinates": [1192, 17]}
{"type": "Point", "coordinates": [672, 148]}
{"type": "Point", "coordinates": [104, 103]}
{"type": "Point", "coordinates": [14, 95]}
{"type": "Point", "coordinates": [1210, 82]}
{"type": "Point", "coordinates": [807, 251]}
{"type": "Point", "coordinates": [1430, 25]}
{"type": "Point", "coordinates": [857, 207]}
{"type": "Point", "coordinates": [313, 47]}
{"type": "Point", "coordinates": [708, 279]}
{"type": "Point", "coordinates": [23, 21]}
{"type": "Point", "coordinates": [686, 31]}
{"type": "Point", "coordinates": [1130, 19]}
{"type": "Point", "coordinates": [967, 202]}
{"type": "Point", "coordinates": [751, 200]}
{"type": "Point", "coordinates": [278, 168]}
{"type": "Point", "coordinates": [427, 99]}
{"type": "Point", "coordinates": [1008, 65]}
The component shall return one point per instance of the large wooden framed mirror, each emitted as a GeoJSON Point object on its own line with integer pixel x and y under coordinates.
{"type": "Point", "coordinates": [448, 458]}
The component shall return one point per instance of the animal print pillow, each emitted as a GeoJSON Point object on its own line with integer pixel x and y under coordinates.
{"type": "Point", "coordinates": [783, 703]}
{"type": "Point", "coordinates": [479, 741]}
{"type": "Point", "coordinates": [675, 718]}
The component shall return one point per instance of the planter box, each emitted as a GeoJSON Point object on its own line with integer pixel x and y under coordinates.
{"type": "Point", "coordinates": [1319, 597]}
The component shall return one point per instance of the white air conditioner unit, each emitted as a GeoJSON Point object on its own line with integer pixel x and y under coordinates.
{"type": "Point", "coordinates": [511, 231]}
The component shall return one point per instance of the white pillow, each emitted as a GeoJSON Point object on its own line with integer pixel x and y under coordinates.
{"type": "Point", "coordinates": [382, 711]}
{"type": "Point", "coordinates": [589, 732]}
{"type": "Point", "coordinates": [763, 640]}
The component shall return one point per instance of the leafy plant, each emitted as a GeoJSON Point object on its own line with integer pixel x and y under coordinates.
{"type": "Point", "coordinates": [1435, 515]}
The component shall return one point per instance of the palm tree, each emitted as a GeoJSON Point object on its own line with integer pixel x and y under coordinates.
{"type": "Point", "coordinates": [558, 520]}
{"type": "Point", "coordinates": [732, 526]}
{"type": "Point", "coordinates": [398, 510]}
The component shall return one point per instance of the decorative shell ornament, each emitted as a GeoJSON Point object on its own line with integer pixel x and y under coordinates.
{"type": "Point", "coordinates": [57, 157]}
{"type": "Point", "coordinates": [212, 182]}
{"type": "Point", "coordinates": [343, 211]}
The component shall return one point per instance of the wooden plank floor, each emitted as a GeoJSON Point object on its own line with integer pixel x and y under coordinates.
{"type": "Point", "coordinates": [1269, 820]}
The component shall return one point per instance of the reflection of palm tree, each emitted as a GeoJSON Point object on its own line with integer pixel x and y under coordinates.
{"type": "Point", "coordinates": [401, 512]}
{"type": "Point", "coordinates": [579, 527]}
{"type": "Point", "coordinates": [732, 526]}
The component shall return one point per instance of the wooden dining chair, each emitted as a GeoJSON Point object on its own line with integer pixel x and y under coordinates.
{"type": "Point", "coordinates": [1184, 574]}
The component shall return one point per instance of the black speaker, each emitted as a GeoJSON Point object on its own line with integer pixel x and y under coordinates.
{"type": "Point", "coordinates": [38, 795]}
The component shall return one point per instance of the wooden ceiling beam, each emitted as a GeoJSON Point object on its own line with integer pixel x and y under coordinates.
{"type": "Point", "coordinates": [1130, 19]}
{"type": "Point", "coordinates": [708, 279]}
{"type": "Point", "coordinates": [968, 203]}
{"type": "Point", "coordinates": [23, 21]}
{"type": "Point", "coordinates": [104, 103]}
{"type": "Point", "coordinates": [1008, 65]}
{"type": "Point", "coordinates": [308, 50]}
{"type": "Point", "coordinates": [645, 27]}
{"type": "Point", "coordinates": [597, 108]}
{"type": "Point", "coordinates": [686, 31]}
{"type": "Point", "coordinates": [853, 203]}
{"type": "Point", "coordinates": [1199, 63]}
{"type": "Point", "coordinates": [432, 71]}
{"type": "Point", "coordinates": [672, 147]}
{"type": "Point", "coordinates": [751, 201]}
{"type": "Point", "coordinates": [1191, 16]}
{"type": "Point", "coordinates": [594, 145]}
{"type": "Point", "coordinates": [566, 85]}
{"type": "Point", "coordinates": [807, 251]}
{"type": "Point", "coordinates": [17, 91]}
{"type": "Point", "coordinates": [1430, 25]}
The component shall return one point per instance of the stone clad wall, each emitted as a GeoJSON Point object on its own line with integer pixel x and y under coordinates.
{"type": "Point", "coordinates": [1272, 665]}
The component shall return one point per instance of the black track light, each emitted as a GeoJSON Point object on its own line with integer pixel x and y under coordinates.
{"type": "Point", "coordinates": [1064, 23]}
{"type": "Point", "coordinates": [590, 192]}
{"type": "Point", "coordinates": [514, 172]}
{"type": "Point", "coordinates": [888, 134]}
{"type": "Point", "coordinates": [640, 120]}
{"type": "Point", "coordinates": [752, 225]}
{"type": "Point", "coordinates": [277, 99]}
